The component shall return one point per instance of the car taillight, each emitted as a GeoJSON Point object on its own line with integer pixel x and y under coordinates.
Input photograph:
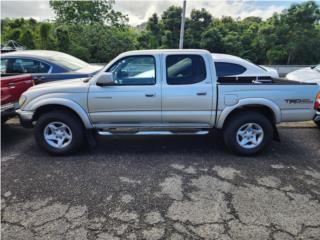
{"type": "Point", "coordinates": [317, 102]}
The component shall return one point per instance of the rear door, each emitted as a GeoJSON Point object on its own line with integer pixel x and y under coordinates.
{"type": "Point", "coordinates": [5, 91]}
{"type": "Point", "coordinates": [12, 87]}
{"type": "Point", "coordinates": [187, 90]}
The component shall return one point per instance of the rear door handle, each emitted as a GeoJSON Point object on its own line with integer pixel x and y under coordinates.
{"type": "Point", "coordinates": [11, 85]}
{"type": "Point", "coordinates": [201, 93]}
{"type": "Point", "coordinates": [150, 94]}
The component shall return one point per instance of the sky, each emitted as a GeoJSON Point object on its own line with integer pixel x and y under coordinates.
{"type": "Point", "coordinates": [139, 11]}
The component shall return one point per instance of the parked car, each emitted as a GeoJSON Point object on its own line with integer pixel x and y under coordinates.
{"type": "Point", "coordinates": [232, 66]}
{"type": "Point", "coordinates": [308, 74]}
{"type": "Point", "coordinates": [163, 92]}
{"type": "Point", "coordinates": [11, 90]}
{"type": "Point", "coordinates": [46, 66]}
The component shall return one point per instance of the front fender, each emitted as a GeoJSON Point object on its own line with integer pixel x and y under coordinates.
{"type": "Point", "coordinates": [249, 102]}
{"type": "Point", "coordinates": [36, 103]}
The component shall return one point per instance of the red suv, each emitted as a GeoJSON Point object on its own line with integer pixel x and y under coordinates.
{"type": "Point", "coordinates": [11, 90]}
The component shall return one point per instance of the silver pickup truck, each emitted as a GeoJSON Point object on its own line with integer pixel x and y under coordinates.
{"type": "Point", "coordinates": [165, 92]}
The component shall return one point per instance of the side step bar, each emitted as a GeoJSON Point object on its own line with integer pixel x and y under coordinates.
{"type": "Point", "coordinates": [151, 133]}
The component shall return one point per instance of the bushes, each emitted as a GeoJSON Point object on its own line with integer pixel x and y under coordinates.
{"type": "Point", "coordinates": [290, 37]}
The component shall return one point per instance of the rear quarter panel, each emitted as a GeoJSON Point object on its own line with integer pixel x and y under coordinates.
{"type": "Point", "coordinates": [295, 102]}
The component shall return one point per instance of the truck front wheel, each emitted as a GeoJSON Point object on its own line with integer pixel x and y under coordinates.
{"type": "Point", "coordinates": [59, 133]}
{"type": "Point", "coordinates": [247, 133]}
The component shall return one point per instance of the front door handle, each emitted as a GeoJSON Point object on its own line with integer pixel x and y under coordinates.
{"type": "Point", "coordinates": [150, 95]}
{"type": "Point", "coordinates": [201, 93]}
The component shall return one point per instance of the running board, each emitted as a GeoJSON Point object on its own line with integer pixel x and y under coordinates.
{"type": "Point", "coordinates": [151, 133]}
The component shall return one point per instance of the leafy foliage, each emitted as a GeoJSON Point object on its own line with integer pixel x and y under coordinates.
{"type": "Point", "coordinates": [87, 12]}
{"type": "Point", "coordinates": [96, 33]}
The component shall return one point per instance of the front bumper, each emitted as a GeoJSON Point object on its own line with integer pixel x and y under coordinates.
{"type": "Point", "coordinates": [26, 118]}
{"type": "Point", "coordinates": [7, 107]}
{"type": "Point", "coordinates": [8, 110]}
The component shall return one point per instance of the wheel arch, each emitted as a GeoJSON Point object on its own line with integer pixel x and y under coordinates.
{"type": "Point", "coordinates": [64, 105]}
{"type": "Point", "coordinates": [263, 106]}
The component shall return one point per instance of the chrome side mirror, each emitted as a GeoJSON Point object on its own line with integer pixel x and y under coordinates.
{"type": "Point", "coordinates": [105, 79]}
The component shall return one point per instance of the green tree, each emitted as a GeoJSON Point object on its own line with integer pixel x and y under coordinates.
{"type": "Point", "coordinates": [154, 31]}
{"type": "Point", "coordinates": [80, 52]}
{"type": "Point", "coordinates": [292, 36]}
{"type": "Point", "coordinates": [87, 12]}
{"type": "Point", "coordinates": [27, 39]}
{"type": "Point", "coordinates": [171, 21]}
{"type": "Point", "coordinates": [14, 35]}
{"type": "Point", "coordinates": [63, 40]}
{"type": "Point", "coordinates": [102, 42]}
{"type": "Point", "coordinates": [212, 40]}
{"type": "Point", "coordinates": [197, 24]}
{"type": "Point", "coordinates": [45, 35]}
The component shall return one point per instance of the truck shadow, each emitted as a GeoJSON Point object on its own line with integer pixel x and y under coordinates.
{"type": "Point", "coordinates": [296, 144]}
{"type": "Point", "coordinates": [13, 133]}
{"type": "Point", "coordinates": [211, 146]}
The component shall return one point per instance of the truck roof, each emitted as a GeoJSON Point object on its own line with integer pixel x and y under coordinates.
{"type": "Point", "coordinates": [150, 51]}
{"type": "Point", "coordinates": [226, 57]}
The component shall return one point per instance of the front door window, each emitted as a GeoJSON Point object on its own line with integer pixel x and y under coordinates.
{"type": "Point", "coordinates": [135, 70]}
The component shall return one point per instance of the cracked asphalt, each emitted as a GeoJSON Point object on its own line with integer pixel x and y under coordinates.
{"type": "Point", "coordinates": [175, 188]}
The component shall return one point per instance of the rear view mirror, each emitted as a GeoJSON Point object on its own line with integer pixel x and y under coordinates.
{"type": "Point", "coordinates": [105, 78]}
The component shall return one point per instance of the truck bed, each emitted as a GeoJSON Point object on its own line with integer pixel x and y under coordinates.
{"type": "Point", "coordinates": [259, 80]}
{"type": "Point", "coordinates": [293, 100]}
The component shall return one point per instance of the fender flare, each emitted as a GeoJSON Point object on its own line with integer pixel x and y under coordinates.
{"type": "Point", "coordinates": [36, 103]}
{"type": "Point", "coordinates": [247, 102]}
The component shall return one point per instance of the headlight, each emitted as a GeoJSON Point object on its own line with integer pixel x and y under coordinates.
{"type": "Point", "coordinates": [22, 100]}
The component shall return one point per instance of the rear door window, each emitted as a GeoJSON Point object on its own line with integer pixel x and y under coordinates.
{"type": "Point", "coordinates": [20, 66]}
{"type": "Point", "coordinates": [224, 69]}
{"type": "Point", "coordinates": [185, 69]}
{"type": "Point", "coordinates": [4, 63]}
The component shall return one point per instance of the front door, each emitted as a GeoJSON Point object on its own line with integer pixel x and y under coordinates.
{"type": "Point", "coordinates": [187, 91]}
{"type": "Point", "coordinates": [133, 99]}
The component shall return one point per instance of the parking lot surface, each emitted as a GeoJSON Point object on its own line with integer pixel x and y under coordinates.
{"type": "Point", "coordinates": [186, 187]}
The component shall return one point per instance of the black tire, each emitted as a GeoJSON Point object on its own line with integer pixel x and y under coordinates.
{"type": "Point", "coordinates": [68, 119]}
{"type": "Point", "coordinates": [317, 123]}
{"type": "Point", "coordinates": [239, 120]}
{"type": "Point", "coordinates": [3, 120]}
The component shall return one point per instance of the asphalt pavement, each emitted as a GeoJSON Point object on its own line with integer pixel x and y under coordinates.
{"type": "Point", "coordinates": [166, 187]}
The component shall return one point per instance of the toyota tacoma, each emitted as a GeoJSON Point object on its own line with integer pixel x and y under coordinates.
{"type": "Point", "coordinates": [165, 92]}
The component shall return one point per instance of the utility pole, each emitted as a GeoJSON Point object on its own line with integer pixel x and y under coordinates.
{"type": "Point", "coordinates": [183, 19]}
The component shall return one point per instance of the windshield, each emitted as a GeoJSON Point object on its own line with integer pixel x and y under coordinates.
{"type": "Point", "coordinates": [68, 61]}
{"type": "Point", "coordinates": [317, 67]}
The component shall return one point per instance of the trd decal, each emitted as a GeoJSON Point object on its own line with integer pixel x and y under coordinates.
{"type": "Point", "coordinates": [298, 101]}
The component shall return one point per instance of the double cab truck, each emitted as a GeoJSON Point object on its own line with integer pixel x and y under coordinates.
{"type": "Point", "coordinates": [165, 92]}
{"type": "Point", "coordinates": [11, 90]}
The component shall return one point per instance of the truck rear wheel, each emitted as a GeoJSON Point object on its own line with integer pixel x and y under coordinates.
{"type": "Point", "coordinates": [248, 133]}
{"type": "Point", "coordinates": [59, 133]}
